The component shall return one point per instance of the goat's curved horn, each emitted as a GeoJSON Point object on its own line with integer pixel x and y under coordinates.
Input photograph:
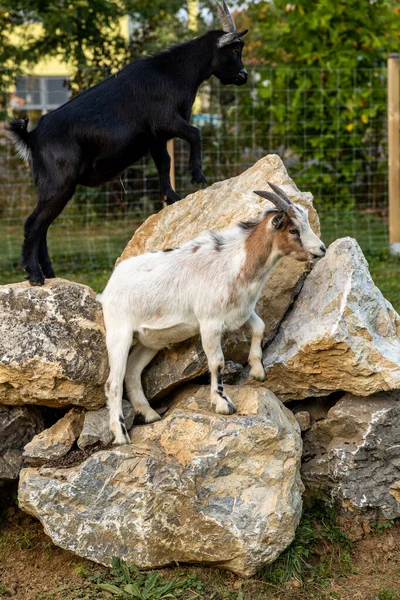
{"type": "Point", "coordinates": [228, 24]}
{"type": "Point", "coordinates": [228, 38]}
{"type": "Point", "coordinates": [279, 202]}
{"type": "Point", "coordinates": [279, 192]}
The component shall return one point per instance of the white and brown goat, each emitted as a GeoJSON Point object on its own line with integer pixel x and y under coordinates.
{"type": "Point", "coordinates": [208, 285]}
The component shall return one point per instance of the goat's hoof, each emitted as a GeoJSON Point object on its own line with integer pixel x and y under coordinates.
{"type": "Point", "coordinates": [121, 437]}
{"type": "Point", "coordinates": [172, 199]}
{"type": "Point", "coordinates": [199, 179]}
{"type": "Point", "coordinates": [36, 281]}
{"type": "Point", "coordinates": [225, 406]}
{"type": "Point", "coordinates": [121, 440]}
{"type": "Point", "coordinates": [147, 416]}
{"type": "Point", "coordinates": [36, 278]}
{"type": "Point", "coordinates": [258, 373]}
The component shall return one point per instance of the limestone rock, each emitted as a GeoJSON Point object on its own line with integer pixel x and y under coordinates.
{"type": "Point", "coordinates": [340, 335]}
{"type": "Point", "coordinates": [57, 440]}
{"type": "Point", "coordinates": [196, 487]}
{"type": "Point", "coordinates": [18, 425]}
{"type": "Point", "coordinates": [352, 456]}
{"type": "Point", "coordinates": [221, 205]}
{"type": "Point", "coordinates": [52, 345]}
{"type": "Point", "coordinates": [96, 425]}
{"type": "Point", "coordinates": [304, 419]}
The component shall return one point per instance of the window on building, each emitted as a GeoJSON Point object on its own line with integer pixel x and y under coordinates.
{"type": "Point", "coordinates": [40, 93]}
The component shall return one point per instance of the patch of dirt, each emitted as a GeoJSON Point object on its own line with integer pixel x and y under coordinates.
{"type": "Point", "coordinates": [33, 568]}
{"type": "Point", "coordinates": [77, 456]}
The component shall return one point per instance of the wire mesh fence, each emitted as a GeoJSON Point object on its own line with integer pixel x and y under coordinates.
{"type": "Point", "coordinates": [328, 126]}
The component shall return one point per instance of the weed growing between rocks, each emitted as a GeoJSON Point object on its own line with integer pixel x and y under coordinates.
{"type": "Point", "coordinates": [302, 561]}
{"type": "Point", "coordinates": [128, 582]}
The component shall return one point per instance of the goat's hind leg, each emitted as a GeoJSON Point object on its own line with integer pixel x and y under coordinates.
{"type": "Point", "coordinates": [138, 359]}
{"type": "Point", "coordinates": [119, 342]}
{"type": "Point", "coordinates": [257, 326]}
{"type": "Point", "coordinates": [35, 259]}
{"type": "Point", "coordinates": [211, 341]}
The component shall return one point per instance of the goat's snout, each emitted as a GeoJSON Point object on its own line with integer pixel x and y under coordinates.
{"type": "Point", "coordinates": [242, 76]}
{"type": "Point", "coordinates": [319, 252]}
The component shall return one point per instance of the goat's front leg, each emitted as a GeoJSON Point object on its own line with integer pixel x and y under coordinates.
{"type": "Point", "coordinates": [257, 326]}
{"type": "Point", "coordinates": [211, 340]}
{"type": "Point", "coordinates": [191, 134]}
{"type": "Point", "coordinates": [162, 160]}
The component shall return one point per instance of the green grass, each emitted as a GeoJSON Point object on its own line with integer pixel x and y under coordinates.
{"type": "Point", "coordinates": [387, 594]}
{"type": "Point", "coordinates": [128, 582]}
{"type": "Point", "coordinates": [300, 562]}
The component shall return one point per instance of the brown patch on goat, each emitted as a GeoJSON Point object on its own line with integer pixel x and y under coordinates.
{"type": "Point", "coordinates": [258, 247]}
{"type": "Point", "coordinates": [195, 248]}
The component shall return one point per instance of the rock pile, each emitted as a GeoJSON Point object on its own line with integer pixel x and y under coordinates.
{"type": "Point", "coordinates": [199, 487]}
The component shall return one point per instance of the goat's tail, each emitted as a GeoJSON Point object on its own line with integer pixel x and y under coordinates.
{"type": "Point", "coordinates": [19, 135]}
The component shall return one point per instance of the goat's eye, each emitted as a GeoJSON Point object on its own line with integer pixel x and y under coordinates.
{"type": "Point", "coordinates": [294, 231]}
{"type": "Point", "coordinates": [235, 51]}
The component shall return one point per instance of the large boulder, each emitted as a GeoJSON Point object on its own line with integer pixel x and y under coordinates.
{"type": "Point", "coordinates": [340, 335]}
{"type": "Point", "coordinates": [352, 456]}
{"type": "Point", "coordinates": [18, 425]}
{"type": "Point", "coordinates": [221, 205]}
{"type": "Point", "coordinates": [196, 487]}
{"type": "Point", "coordinates": [52, 345]}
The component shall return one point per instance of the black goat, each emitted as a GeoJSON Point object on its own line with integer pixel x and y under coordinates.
{"type": "Point", "coordinates": [95, 136]}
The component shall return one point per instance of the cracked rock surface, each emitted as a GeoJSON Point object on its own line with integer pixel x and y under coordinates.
{"type": "Point", "coordinates": [195, 487]}
{"type": "Point", "coordinates": [52, 345]}
{"type": "Point", "coordinates": [352, 455]}
{"type": "Point", "coordinates": [18, 425]}
{"type": "Point", "coordinates": [341, 333]}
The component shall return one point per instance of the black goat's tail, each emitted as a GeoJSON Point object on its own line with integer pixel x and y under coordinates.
{"type": "Point", "coordinates": [19, 135]}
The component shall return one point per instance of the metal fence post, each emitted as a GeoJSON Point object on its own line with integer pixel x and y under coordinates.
{"type": "Point", "coordinates": [171, 152]}
{"type": "Point", "coordinates": [394, 151]}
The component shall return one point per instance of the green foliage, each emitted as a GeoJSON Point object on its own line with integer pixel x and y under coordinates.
{"type": "Point", "coordinates": [128, 582]}
{"type": "Point", "coordinates": [300, 560]}
{"type": "Point", "coordinates": [324, 104]}
{"type": "Point", "coordinates": [387, 594]}
{"type": "Point", "coordinates": [381, 526]}
{"type": "Point", "coordinates": [85, 34]}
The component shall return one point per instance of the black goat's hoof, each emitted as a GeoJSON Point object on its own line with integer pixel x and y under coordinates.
{"type": "Point", "coordinates": [172, 199]}
{"type": "Point", "coordinates": [36, 283]}
{"type": "Point", "coordinates": [199, 179]}
{"type": "Point", "coordinates": [35, 280]}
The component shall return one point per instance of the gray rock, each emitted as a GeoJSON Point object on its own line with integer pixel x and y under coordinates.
{"type": "Point", "coordinates": [52, 345]}
{"type": "Point", "coordinates": [56, 441]}
{"type": "Point", "coordinates": [352, 456]}
{"type": "Point", "coordinates": [340, 335]}
{"type": "Point", "coordinates": [18, 425]}
{"type": "Point", "coordinates": [304, 419]}
{"type": "Point", "coordinates": [195, 487]}
{"type": "Point", "coordinates": [96, 425]}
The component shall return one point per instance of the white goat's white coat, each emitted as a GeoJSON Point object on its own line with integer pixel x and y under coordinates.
{"type": "Point", "coordinates": [157, 299]}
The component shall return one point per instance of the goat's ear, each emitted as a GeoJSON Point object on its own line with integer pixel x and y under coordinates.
{"type": "Point", "coordinates": [278, 220]}
{"type": "Point", "coordinates": [229, 38]}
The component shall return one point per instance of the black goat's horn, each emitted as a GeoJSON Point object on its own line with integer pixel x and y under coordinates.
{"type": "Point", "coordinates": [228, 24]}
